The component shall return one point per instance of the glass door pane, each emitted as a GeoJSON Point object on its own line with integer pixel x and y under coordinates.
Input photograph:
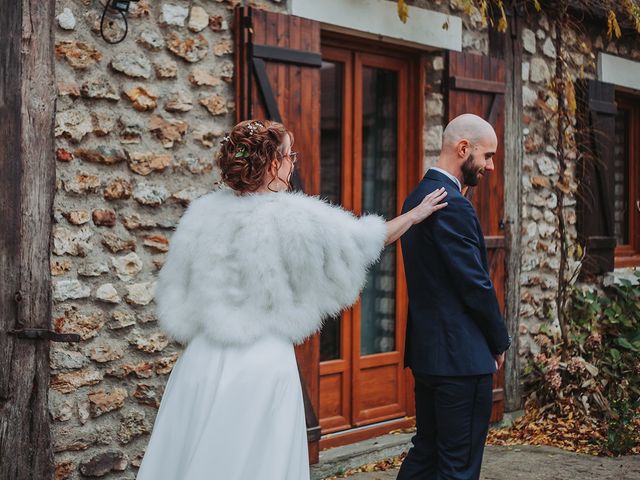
{"type": "Point", "coordinates": [379, 195]}
{"type": "Point", "coordinates": [332, 80]}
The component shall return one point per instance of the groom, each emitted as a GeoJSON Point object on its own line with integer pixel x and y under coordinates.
{"type": "Point", "coordinates": [456, 337]}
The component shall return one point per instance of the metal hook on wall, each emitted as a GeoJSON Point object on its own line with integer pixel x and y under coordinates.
{"type": "Point", "coordinates": [122, 7]}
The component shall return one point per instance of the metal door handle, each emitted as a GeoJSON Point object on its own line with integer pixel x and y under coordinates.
{"type": "Point", "coordinates": [44, 334]}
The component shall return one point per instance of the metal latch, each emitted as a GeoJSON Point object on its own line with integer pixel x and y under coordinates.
{"type": "Point", "coordinates": [44, 334]}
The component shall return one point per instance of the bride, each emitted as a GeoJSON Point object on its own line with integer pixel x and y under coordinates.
{"type": "Point", "coordinates": [252, 270]}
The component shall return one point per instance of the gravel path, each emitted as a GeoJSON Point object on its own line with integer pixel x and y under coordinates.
{"type": "Point", "coordinates": [541, 463]}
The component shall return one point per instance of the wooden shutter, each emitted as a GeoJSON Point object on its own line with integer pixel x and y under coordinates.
{"type": "Point", "coordinates": [597, 111]}
{"type": "Point", "coordinates": [476, 84]}
{"type": "Point", "coordinates": [277, 63]}
{"type": "Point", "coordinates": [278, 78]}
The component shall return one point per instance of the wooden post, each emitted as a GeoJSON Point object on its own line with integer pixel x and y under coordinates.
{"type": "Point", "coordinates": [509, 46]}
{"type": "Point", "coordinates": [27, 176]}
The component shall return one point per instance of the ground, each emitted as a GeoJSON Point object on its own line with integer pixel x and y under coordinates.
{"type": "Point", "coordinates": [541, 463]}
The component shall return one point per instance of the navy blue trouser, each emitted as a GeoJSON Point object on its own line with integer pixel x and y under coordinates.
{"type": "Point", "coordinates": [452, 420]}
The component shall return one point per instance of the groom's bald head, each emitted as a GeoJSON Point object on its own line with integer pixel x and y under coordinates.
{"type": "Point", "coordinates": [468, 127]}
{"type": "Point", "coordinates": [468, 146]}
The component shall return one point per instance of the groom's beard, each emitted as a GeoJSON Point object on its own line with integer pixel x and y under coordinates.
{"type": "Point", "coordinates": [469, 172]}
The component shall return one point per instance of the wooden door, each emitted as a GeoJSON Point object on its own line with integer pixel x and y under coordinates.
{"type": "Point", "coordinates": [367, 165]}
{"type": "Point", "coordinates": [476, 84]}
{"type": "Point", "coordinates": [277, 60]}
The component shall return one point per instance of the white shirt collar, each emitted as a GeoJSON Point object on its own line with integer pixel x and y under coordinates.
{"type": "Point", "coordinates": [444, 172]}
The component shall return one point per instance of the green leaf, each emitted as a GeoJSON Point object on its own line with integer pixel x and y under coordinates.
{"type": "Point", "coordinates": [241, 152]}
{"type": "Point", "coordinates": [615, 355]}
{"type": "Point", "coordinates": [634, 337]}
{"type": "Point", "coordinates": [624, 343]}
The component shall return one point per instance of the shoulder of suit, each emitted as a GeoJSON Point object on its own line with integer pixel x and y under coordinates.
{"type": "Point", "coordinates": [459, 202]}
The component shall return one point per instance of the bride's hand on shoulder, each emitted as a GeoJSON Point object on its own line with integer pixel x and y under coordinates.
{"type": "Point", "coordinates": [399, 225]}
{"type": "Point", "coordinates": [429, 205]}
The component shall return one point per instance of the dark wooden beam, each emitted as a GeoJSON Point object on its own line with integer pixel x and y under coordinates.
{"type": "Point", "coordinates": [475, 85]}
{"type": "Point", "coordinates": [287, 55]}
{"type": "Point", "coordinates": [27, 175]}
{"type": "Point", "coordinates": [10, 122]}
{"type": "Point", "coordinates": [266, 92]}
{"type": "Point", "coordinates": [509, 47]}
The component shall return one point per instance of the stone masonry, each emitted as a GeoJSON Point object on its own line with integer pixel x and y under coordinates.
{"type": "Point", "coordinates": [137, 127]}
{"type": "Point", "coordinates": [540, 248]}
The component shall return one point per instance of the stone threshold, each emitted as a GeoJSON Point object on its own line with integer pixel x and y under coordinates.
{"type": "Point", "coordinates": [335, 461]}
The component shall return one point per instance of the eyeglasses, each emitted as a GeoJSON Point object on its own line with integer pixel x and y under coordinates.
{"type": "Point", "coordinates": [293, 156]}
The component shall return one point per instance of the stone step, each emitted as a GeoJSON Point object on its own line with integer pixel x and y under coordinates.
{"type": "Point", "coordinates": [336, 460]}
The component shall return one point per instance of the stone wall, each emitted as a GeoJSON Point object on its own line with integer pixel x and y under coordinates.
{"type": "Point", "coordinates": [137, 127]}
{"type": "Point", "coordinates": [540, 253]}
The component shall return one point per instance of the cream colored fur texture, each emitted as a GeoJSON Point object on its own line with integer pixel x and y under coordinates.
{"type": "Point", "coordinates": [240, 267]}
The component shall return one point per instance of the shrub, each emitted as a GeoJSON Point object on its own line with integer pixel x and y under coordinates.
{"type": "Point", "coordinates": [596, 376]}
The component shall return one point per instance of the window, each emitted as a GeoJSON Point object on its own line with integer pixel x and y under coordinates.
{"type": "Point", "coordinates": [627, 181]}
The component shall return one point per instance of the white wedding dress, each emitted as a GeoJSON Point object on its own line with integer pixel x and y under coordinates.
{"type": "Point", "coordinates": [246, 278]}
{"type": "Point", "coordinates": [230, 413]}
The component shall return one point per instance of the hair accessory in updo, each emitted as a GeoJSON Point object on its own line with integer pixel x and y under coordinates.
{"type": "Point", "coordinates": [253, 126]}
{"type": "Point", "coordinates": [246, 153]}
{"type": "Point", "coordinates": [241, 152]}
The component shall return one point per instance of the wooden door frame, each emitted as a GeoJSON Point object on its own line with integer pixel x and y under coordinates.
{"type": "Point", "coordinates": [362, 417]}
{"type": "Point", "coordinates": [27, 180]}
{"type": "Point", "coordinates": [416, 73]}
{"type": "Point", "coordinates": [508, 46]}
{"type": "Point", "coordinates": [328, 367]}
{"type": "Point", "coordinates": [628, 255]}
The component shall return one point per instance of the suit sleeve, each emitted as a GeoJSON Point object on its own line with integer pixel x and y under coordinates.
{"type": "Point", "coordinates": [456, 239]}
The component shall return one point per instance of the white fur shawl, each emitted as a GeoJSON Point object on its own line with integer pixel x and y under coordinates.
{"type": "Point", "coordinates": [240, 267]}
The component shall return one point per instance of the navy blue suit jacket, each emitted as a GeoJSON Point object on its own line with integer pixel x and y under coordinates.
{"type": "Point", "coordinates": [454, 326]}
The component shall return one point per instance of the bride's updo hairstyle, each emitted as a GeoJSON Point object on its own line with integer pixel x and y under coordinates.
{"type": "Point", "coordinates": [247, 151]}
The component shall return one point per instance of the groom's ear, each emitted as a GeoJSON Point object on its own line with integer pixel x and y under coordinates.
{"type": "Point", "coordinates": [463, 147]}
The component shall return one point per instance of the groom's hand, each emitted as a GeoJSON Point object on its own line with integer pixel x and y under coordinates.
{"type": "Point", "coordinates": [499, 360]}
